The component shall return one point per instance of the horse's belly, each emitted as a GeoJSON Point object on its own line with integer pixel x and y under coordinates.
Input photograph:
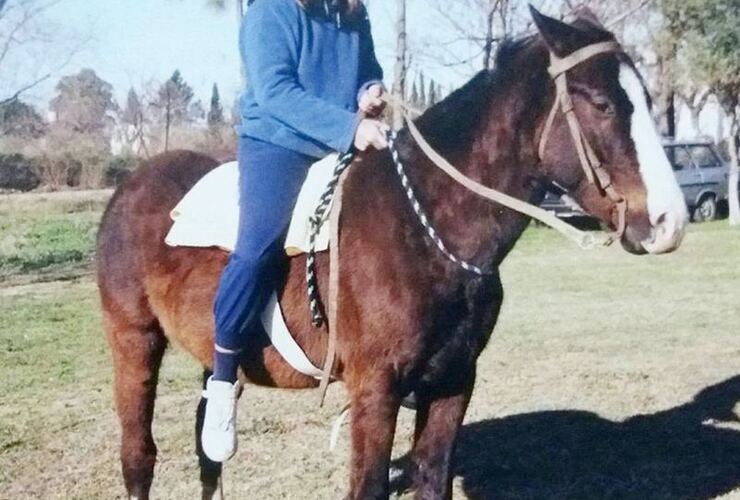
{"type": "Point", "coordinates": [182, 299]}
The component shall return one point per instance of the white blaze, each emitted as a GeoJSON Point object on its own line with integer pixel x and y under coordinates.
{"type": "Point", "coordinates": [664, 194]}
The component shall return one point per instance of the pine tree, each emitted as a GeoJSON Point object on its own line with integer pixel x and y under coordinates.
{"type": "Point", "coordinates": [173, 103]}
{"type": "Point", "coordinates": [216, 112]}
{"type": "Point", "coordinates": [414, 95]}
{"type": "Point", "coordinates": [423, 91]}
{"type": "Point", "coordinates": [433, 93]}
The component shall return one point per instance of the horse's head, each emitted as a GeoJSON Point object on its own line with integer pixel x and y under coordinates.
{"type": "Point", "coordinates": [620, 148]}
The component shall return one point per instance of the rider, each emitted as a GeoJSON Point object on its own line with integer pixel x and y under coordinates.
{"type": "Point", "coordinates": [314, 86]}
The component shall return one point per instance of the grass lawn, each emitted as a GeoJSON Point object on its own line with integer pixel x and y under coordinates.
{"type": "Point", "coordinates": [608, 376]}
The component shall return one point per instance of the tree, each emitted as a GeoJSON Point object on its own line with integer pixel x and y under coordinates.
{"type": "Point", "coordinates": [31, 48]}
{"type": "Point", "coordinates": [414, 98]}
{"type": "Point", "coordinates": [400, 69]}
{"type": "Point", "coordinates": [196, 111]}
{"type": "Point", "coordinates": [172, 104]}
{"type": "Point", "coordinates": [216, 111]}
{"type": "Point", "coordinates": [84, 104]}
{"type": "Point", "coordinates": [134, 119]}
{"type": "Point", "coordinates": [21, 120]}
{"type": "Point", "coordinates": [710, 40]}
{"type": "Point", "coordinates": [433, 94]}
{"type": "Point", "coordinates": [475, 28]}
{"type": "Point", "coordinates": [78, 143]}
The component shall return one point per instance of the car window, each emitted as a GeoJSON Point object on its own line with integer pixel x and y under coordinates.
{"type": "Point", "coordinates": [704, 157]}
{"type": "Point", "coordinates": [679, 157]}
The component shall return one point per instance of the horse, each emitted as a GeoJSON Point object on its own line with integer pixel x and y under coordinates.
{"type": "Point", "coordinates": [410, 320]}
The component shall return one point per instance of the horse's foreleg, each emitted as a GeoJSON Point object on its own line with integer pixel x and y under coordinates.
{"type": "Point", "coordinates": [373, 413]}
{"type": "Point", "coordinates": [210, 471]}
{"type": "Point", "coordinates": [137, 355]}
{"type": "Point", "coordinates": [438, 421]}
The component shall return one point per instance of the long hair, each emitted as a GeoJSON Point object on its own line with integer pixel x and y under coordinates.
{"type": "Point", "coordinates": [347, 6]}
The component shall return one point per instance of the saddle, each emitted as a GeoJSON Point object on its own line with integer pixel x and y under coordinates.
{"type": "Point", "coordinates": [208, 217]}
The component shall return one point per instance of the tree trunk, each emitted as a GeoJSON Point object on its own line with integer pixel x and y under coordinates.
{"type": "Point", "coordinates": [167, 123]}
{"type": "Point", "coordinates": [732, 145]}
{"type": "Point", "coordinates": [696, 106]}
{"type": "Point", "coordinates": [695, 113]}
{"type": "Point", "coordinates": [670, 114]}
{"type": "Point", "coordinates": [239, 18]}
{"type": "Point", "coordinates": [488, 47]}
{"type": "Point", "coordinates": [400, 70]}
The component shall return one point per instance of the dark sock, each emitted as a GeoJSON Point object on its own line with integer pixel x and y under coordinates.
{"type": "Point", "coordinates": [225, 366]}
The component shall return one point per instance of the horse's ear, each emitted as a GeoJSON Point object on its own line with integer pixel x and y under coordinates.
{"type": "Point", "coordinates": [560, 38]}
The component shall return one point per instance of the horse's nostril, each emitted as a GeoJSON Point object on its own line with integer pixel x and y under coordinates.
{"type": "Point", "coordinates": [665, 235]}
{"type": "Point", "coordinates": [661, 219]}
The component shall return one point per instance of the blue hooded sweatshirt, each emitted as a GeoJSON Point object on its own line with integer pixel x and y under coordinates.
{"type": "Point", "coordinates": [306, 69]}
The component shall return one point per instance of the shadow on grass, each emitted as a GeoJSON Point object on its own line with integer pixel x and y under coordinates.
{"type": "Point", "coordinates": [685, 452]}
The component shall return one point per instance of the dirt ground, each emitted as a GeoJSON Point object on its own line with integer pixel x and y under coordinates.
{"type": "Point", "coordinates": [608, 376]}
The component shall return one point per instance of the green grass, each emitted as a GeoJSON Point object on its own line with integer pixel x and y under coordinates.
{"type": "Point", "coordinates": [44, 241]}
{"type": "Point", "coordinates": [591, 386]}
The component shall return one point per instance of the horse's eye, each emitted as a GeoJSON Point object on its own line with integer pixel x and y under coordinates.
{"type": "Point", "coordinates": [603, 105]}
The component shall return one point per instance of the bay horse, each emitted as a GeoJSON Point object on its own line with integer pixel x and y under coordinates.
{"type": "Point", "coordinates": [410, 319]}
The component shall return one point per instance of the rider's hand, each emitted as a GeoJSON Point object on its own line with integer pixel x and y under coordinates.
{"type": "Point", "coordinates": [371, 133]}
{"type": "Point", "coordinates": [371, 102]}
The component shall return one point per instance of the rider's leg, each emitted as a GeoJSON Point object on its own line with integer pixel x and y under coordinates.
{"type": "Point", "coordinates": [270, 180]}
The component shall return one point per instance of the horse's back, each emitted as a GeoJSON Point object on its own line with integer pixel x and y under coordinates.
{"type": "Point", "coordinates": [134, 225]}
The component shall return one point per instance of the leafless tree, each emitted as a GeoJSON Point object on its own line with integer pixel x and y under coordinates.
{"type": "Point", "coordinates": [133, 118]}
{"type": "Point", "coordinates": [400, 69]}
{"type": "Point", "coordinates": [32, 49]}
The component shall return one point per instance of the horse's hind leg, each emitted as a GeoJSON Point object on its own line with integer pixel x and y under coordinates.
{"type": "Point", "coordinates": [210, 471]}
{"type": "Point", "coordinates": [137, 355]}
{"type": "Point", "coordinates": [438, 421]}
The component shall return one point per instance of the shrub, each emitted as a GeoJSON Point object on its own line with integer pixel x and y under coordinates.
{"type": "Point", "coordinates": [17, 173]}
{"type": "Point", "coordinates": [118, 169]}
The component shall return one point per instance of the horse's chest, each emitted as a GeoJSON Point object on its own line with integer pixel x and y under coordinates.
{"type": "Point", "coordinates": [456, 335]}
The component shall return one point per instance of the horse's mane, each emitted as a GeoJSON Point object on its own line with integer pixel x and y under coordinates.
{"type": "Point", "coordinates": [452, 121]}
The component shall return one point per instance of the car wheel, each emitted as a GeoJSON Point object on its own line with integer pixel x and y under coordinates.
{"type": "Point", "coordinates": [706, 210]}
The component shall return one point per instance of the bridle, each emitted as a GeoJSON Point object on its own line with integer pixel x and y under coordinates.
{"type": "Point", "coordinates": [595, 172]}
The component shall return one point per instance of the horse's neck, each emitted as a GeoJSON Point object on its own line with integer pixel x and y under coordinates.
{"type": "Point", "coordinates": [499, 155]}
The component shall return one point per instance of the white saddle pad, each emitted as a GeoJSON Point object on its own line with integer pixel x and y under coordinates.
{"type": "Point", "coordinates": [208, 216]}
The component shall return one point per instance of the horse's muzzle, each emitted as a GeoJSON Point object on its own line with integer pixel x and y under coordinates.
{"type": "Point", "coordinates": [667, 235]}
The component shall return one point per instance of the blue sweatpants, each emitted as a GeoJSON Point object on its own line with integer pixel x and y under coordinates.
{"type": "Point", "coordinates": [270, 178]}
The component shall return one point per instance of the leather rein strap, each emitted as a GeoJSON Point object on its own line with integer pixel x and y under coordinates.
{"type": "Point", "coordinates": [592, 166]}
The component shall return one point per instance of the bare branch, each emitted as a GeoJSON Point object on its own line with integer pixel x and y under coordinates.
{"type": "Point", "coordinates": [26, 14]}
{"type": "Point", "coordinates": [612, 22]}
{"type": "Point", "coordinates": [24, 89]}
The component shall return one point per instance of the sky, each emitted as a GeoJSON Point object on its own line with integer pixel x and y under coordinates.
{"type": "Point", "coordinates": [135, 43]}
{"type": "Point", "coordinates": [140, 43]}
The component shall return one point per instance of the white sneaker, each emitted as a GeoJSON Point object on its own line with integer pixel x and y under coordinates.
{"type": "Point", "coordinates": [219, 426]}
